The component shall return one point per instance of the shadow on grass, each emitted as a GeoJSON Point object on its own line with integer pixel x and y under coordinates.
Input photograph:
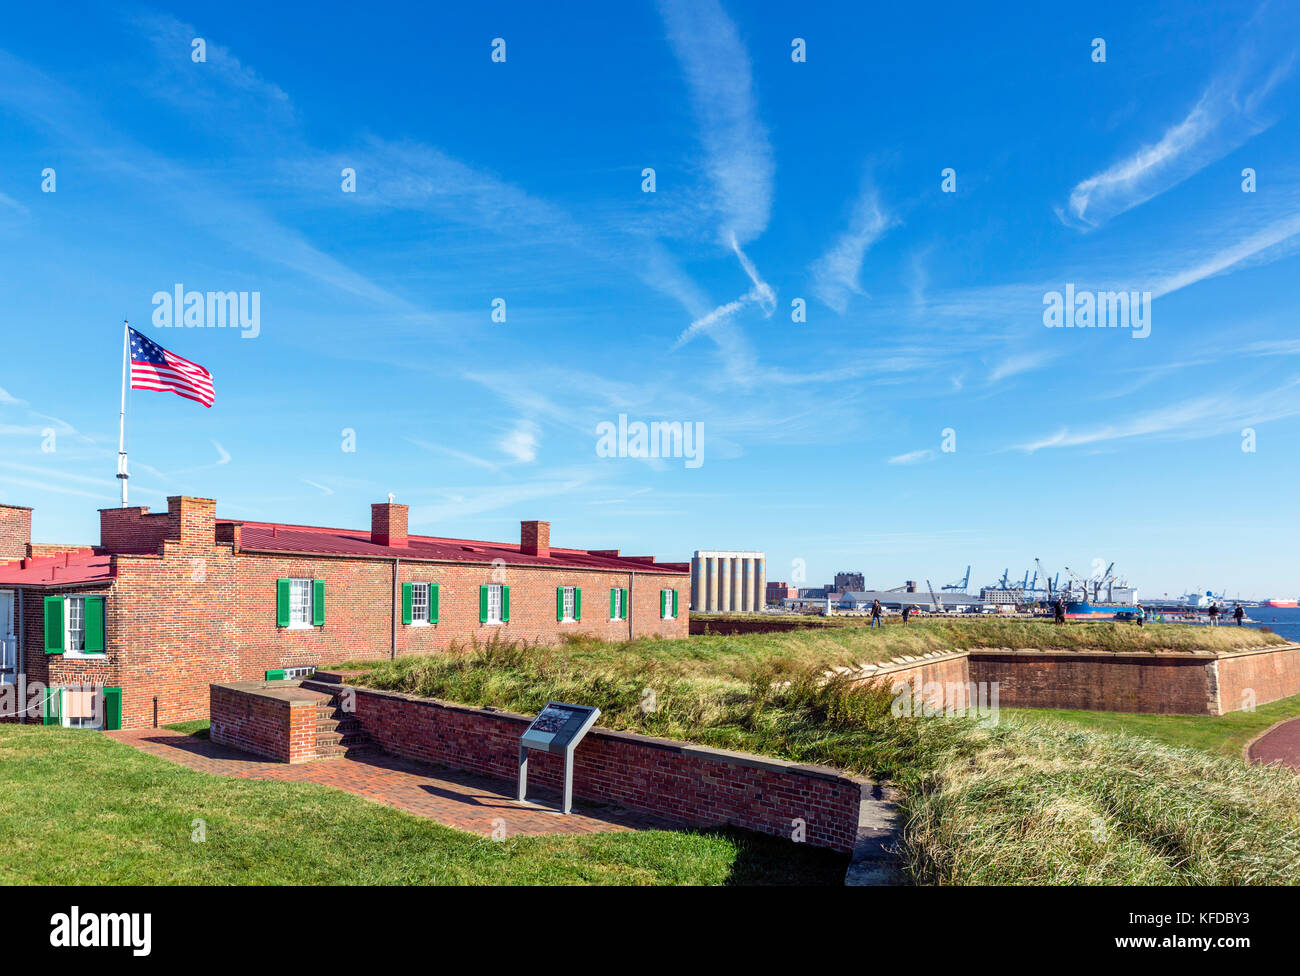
{"type": "Point", "coordinates": [764, 860]}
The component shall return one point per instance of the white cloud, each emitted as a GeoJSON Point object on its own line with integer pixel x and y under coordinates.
{"type": "Point", "coordinates": [1227, 114]}
{"type": "Point", "coordinates": [739, 157]}
{"type": "Point", "coordinates": [836, 273]}
{"type": "Point", "coordinates": [1016, 364]}
{"type": "Point", "coordinates": [912, 457]}
{"type": "Point", "coordinates": [520, 444]}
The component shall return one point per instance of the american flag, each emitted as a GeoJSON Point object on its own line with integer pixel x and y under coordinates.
{"type": "Point", "coordinates": [154, 368]}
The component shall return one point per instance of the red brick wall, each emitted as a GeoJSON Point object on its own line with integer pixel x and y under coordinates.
{"type": "Point", "coordinates": [1173, 684]}
{"type": "Point", "coordinates": [15, 532]}
{"type": "Point", "coordinates": [268, 725]}
{"type": "Point", "coordinates": [131, 529]}
{"type": "Point", "coordinates": [197, 614]}
{"type": "Point", "coordinates": [1255, 678]}
{"type": "Point", "coordinates": [683, 784]}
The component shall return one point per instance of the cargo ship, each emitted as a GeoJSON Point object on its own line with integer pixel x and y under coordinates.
{"type": "Point", "coordinates": [1087, 610]}
{"type": "Point", "coordinates": [1281, 603]}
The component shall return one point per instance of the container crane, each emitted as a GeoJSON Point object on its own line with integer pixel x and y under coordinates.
{"type": "Point", "coordinates": [960, 585]}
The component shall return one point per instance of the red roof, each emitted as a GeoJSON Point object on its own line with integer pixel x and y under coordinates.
{"type": "Point", "coordinates": [279, 537]}
{"type": "Point", "coordinates": [82, 566]}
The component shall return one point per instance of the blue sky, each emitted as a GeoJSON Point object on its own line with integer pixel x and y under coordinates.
{"type": "Point", "coordinates": [776, 180]}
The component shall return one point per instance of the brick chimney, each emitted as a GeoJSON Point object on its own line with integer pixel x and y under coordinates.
{"type": "Point", "coordinates": [388, 524]}
{"type": "Point", "coordinates": [535, 538]}
{"type": "Point", "coordinates": [191, 521]}
{"type": "Point", "coordinates": [15, 531]}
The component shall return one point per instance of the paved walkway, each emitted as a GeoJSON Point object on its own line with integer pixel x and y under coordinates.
{"type": "Point", "coordinates": [1280, 744]}
{"type": "Point", "coordinates": [461, 800]}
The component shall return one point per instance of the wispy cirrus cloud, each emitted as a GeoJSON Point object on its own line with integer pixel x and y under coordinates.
{"type": "Point", "coordinates": [739, 160]}
{"type": "Point", "coordinates": [1232, 108]}
{"type": "Point", "coordinates": [836, 272]}
{"type": "Point", "coordinates": [1201, 417]}
{"type": "Point", "coordinates": [912, 457]}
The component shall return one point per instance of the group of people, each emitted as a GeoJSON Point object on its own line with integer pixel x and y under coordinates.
{"type": "Point", "coordinates": [878, 613]}
{"type": "Point", "coordinates": [1238, 614]}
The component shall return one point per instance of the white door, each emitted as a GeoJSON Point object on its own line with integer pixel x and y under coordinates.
{"type": "Point", "coordinates": [8, 640]}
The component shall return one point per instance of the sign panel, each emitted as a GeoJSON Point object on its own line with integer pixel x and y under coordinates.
{"type": "Point", "coordinates": [557, 729]}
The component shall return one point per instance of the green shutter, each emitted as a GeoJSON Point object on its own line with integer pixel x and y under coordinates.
{"type": "Point", "coordinates": [50, 706]}
{"type": "Point", "coordinates": [482, 604]}
{"type": "Point", "coordinates": [627, 603]}
{"type": "Point", "coordinates": [613, 603]}
{"type": "Point", "coordinates": [112, 709]}
{"type": "Point", "coordinates": [559, 603]}
{"type": "Point", "coordinates": [505, 604]}
{"type": "Point", "coordinates": [674, 603]}
{"type": "Point", "coordinates": [318, 603]}
{"type": "Point", "coordinates": [406, 603]}
{"type": "Point", "coordinates": [433, 603]}
{"type": "Point", "coordinates": [663, 604]}
{"type": "Point", "coordinates": [282, 603]}
{"type": "Point", "coordinates": [577, 603]}
{"type": "Point", "coordinates": [54, 625]}
{"type": "Point", "coordinates": [94, 624]}
{"type": "Point", "coordinates": [276, 674]}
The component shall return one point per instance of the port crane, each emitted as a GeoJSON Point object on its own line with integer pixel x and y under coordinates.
{"type": "Point", "coordinates": [960, 585]}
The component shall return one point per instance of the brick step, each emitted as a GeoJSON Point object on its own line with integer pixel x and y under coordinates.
{"type": "Point", "coordinates": [337, 738]}
{"type": "Point", "coordinates": [346, 752]}
{"type": "Point", "coordinates": [341, 724]}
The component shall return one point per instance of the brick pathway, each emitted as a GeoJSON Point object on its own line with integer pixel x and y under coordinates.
{"type": "Point", "coordinates": [461, 800]}
{"type": "Point", "coordinates": [1281, 744]}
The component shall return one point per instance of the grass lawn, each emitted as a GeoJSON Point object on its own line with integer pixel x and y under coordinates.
{"type": "Point", "coordinates": [1223, 735]}
{"type": "Point", "coordinates": [78, 808]}
{"type": "Point", "coordinates": [1023, 801]}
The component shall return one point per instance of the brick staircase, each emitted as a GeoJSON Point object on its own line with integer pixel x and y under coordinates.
{"type": "Point", "coordinates": [339, 733]}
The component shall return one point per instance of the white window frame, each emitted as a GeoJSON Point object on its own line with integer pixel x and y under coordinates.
{"type": "Point", "coordinates": [97, 710]}
{"type": "Point", "coordinates": [570, 604]}
{"type": "Point", "coordinates": [494, 595]}
{"type": "Point", "coordinates": [427, 590]}
{"type": "Point", "coordinates": [9, 654]}
{"type": "Point", "coordinates": [74, 606]}
{"type": "Point", "coordinates": [298, 606]}
{"type": "Point", "coordinates": [618, 604]}
{"type": "Point", "coordinates": [666, 601]}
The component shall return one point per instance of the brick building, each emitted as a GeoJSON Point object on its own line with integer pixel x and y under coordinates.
{"type": "Point", "coordinates": [130, 633]}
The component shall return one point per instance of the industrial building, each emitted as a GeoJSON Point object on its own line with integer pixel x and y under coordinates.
{"type": "Point", "coordinates": [724, 581]}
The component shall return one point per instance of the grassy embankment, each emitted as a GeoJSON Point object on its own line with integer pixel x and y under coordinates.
{"type": "Point", "coordinates": [78, 808]}
{"type": "Point", "coordinates": [1026, 801]}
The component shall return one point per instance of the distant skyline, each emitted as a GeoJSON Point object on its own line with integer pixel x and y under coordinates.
{"type": "Point", "coordinates": [456, 288]}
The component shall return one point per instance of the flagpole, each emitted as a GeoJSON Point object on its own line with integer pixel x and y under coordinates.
{"type": "Point", "coordinates": [121, 422]}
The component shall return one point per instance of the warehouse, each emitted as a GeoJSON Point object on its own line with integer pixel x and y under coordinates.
{"type": "Point", "coordinates": [169, 603]}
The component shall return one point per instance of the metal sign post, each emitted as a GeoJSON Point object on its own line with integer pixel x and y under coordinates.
{"type": "Point", "coordinates": [557, 729]}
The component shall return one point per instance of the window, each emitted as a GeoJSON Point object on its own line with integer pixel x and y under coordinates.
{"type": "Point", "coordinates": [81, 708]}
{"type": "Point", "coordinates": [668, 604]}
{"type": "Point", "coordinates": [419, 603]}
{"type": "Point", "coordinates": [300, 602]}
{"type": "Point", "coordinates": [75, 609]}
{"type": "Point", "coordinates": [494, 603]}
{"type": "Point", "coordinates": [615, 604]}
{"type": "Point", "coordinates": [568, 600]}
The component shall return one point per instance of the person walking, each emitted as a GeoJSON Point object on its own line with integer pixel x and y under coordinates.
{"type": "Point", "coordinates": [1141, 615]}
{"type": "Point", "coordinates": [907, 612]}
{"type": "Point", "coordinates": [1214, 615]}
{"type": "Point", "coordinates": [1238, 614]}
{"type": "Point", "coordinates": [876, 611]}
{"type": "Point", "coordinates": [1058, 611]}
